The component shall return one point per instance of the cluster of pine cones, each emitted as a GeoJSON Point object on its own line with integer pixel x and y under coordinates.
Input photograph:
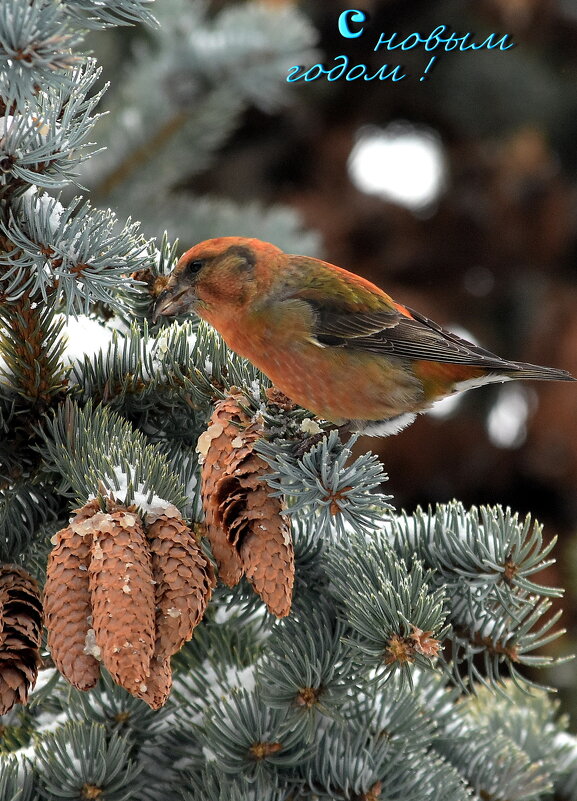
{"type": "Point", "coordinates": [126, 590]}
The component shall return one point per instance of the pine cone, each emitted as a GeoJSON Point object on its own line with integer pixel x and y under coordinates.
{"type": "Point", "coordinates": [261, 533]}
{"type": "Point", "coordinates": [184, 581]}
{"type": "Point", "coordinates": [67, 606]}
{"type": "Point", "coordinates": [20, 635]}
{"type": "Point", "coordinates": [216, 444]}
{"type": "Point", "coordinates": [157, 687]}
{"type": "Point", "coordinates": [247, 531]}
{"type": "Point", "coordinates": [122, 595]}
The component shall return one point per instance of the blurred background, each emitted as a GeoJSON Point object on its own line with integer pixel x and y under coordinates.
{"type": "Point", "coordinates": [457, 195]}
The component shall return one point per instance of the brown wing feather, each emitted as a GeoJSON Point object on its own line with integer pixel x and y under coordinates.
{"type": "Point", "coordinates": [415, 337]}
{"type": "Point", "coordinates": [396, 334]}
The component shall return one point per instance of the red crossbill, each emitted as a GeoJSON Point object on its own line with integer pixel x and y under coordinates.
{"type": "Point", "coordinates": [332, 341]}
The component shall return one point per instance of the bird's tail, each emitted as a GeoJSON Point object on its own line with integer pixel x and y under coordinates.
{"type": "Point", "coordinates": [535, 372]}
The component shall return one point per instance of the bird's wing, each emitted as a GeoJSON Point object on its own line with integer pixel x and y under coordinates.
{"type": "Point", "coordinates": [399, 332]}
{"type": "Point", "coordinates": [350, 312]}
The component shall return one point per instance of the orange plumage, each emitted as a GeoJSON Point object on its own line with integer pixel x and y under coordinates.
{"type": "Point", "coordinates": [332, 341]}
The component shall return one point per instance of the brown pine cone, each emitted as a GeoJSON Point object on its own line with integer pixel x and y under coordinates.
{"type": "Point", "coordinates": [247, 531]}
{"type": "Point", "coordinates": [157, 687]}
{"type": "Point", "coordinates": [184, 581]}
{"type": "Point", "coordinates": [216, 444]}
{"type": "Point", "coordinates": [20, 635]}
{"type": "Point", "coordinates": [263, 536]}
{"type": "Point", "coordinates": [122, 595]}
{"type": "Point", "coordinates": [67, 606]}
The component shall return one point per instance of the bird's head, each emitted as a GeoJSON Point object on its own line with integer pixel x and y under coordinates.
{"type": "Point", "coordinates": [215, 276]}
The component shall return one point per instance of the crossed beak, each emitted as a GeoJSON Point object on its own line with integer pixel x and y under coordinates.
{"type": "Point", "coordinates": [174, 300]}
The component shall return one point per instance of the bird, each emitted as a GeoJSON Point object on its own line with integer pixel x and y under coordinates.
{"type": "Point", "coordinates": [332, 341]}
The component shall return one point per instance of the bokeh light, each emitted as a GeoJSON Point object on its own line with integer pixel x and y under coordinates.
{"type": "Point", "coordinates": [402, 163]}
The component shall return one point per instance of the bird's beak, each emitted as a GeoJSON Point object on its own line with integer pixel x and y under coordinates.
{"type": "Point", "coordinates": [174, 300]}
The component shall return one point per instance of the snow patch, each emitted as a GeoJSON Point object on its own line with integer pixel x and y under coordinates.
{"type": "Point", "coordinates": [151, 508]}
{"type": "Point", "coordinates": [310, 426]}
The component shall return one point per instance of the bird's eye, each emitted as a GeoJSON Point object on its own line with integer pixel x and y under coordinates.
{"type": "Point", "coordinates": [194, 266]}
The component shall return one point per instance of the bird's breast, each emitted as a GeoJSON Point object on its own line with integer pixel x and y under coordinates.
{"type": "Point", "coordinates": [337, 384]}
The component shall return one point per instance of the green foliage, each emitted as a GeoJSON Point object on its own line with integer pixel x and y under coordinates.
{"type": "Point", "coordinates": [97, 451]}
{"type": "Point", "coordinates": [24, 508]}
{"type": "Point", "coordinates": [340, 496]}
{"type": "Point", "coordinates": [484, 558]}
{"type": "Point", "coordinates": [190, 81]}
{"type": "Point", "coordinates": [385, 603]}
{"type": "Point", "coordinates": [210, 785]}
{"type": "Point", "coordinates": [93, 14]}
{"type": "Point", "coordinates": [251, 739]}
{"type": "Point", "coordinates": [317, 679]}
{"type": "Point", "coordinates": [33, 347]}
{"type": "Point", "coordinates": [44, 142]}
{"type": "Point", "coordinates": [72, 250]}
{"type": "Point", "coordinates": [40, 32]}
{"type": "Point", "coordinates": [116, 710]}
{"type": "Point", "coordinates": [16, 780]}
{"type": "Point", "coordinates": [78, 759]}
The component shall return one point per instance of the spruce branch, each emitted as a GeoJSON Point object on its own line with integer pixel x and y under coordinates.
{"type": "Point", "coordinates": [341, 497]}
{"type": "Point", "coordinates": [145, 152]}
{"type": "Point", "coordinates": [25, 506]}
{"type": "Point", "coordinates": [198, 364]}
{"type": "Point", "coordinates": [315, 676]}
{"type": "Point", "coordinates": [192, 217]}
{"type": "Point", "coordinates": [44, 141]}
{"type": "Point", "coordinates": [123, 375]}
{"type": "Point", "coordinates": [396, 617]}
{"type": "Point", "coordinates": [17, 779]}
{"type": "Point", "coordinates": [11, 463]}
{"type": "Point", "coordinates": [251, 740]}
{"type": "Point", "coordinates": [494, 766]}
{"type": "Point", "coordinates": [225, 639]}
{"type": "Point", "coordinates": [530, 720]}
{"type": "Point", "coordinates": [348, 763]}
{"type": "Point", "coordinates": [390, 712]}
{"type": "Point", "coordinates": [32, 343]}
{"type": "Point", "coordinates": [97, 452]}
{"type": "Point", "coordinates": [311, 575]}
{"type": "Point", "coordinates": [490, 548]}
{"type": "Point", "coordinates": [74, 256]}
{"type": "Point", "coordinates": [36, 47]}
{"type": "Point", "coordinates": [212, 68]}
{"type": "Point", "coordinates": [82, 762]}
{"type": "Point", "coordinates": [485, 561]}
{"type": "Point", "coordinates": [116, 710]}
{"type": "Point", "coordinates": [212, 785]}
{"type": "Point", "coordinates": [94, 14]}
{"type": "Point", "coordinates": [242, 47]}
{"type": "Point", "coordinates": [566, 778]}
